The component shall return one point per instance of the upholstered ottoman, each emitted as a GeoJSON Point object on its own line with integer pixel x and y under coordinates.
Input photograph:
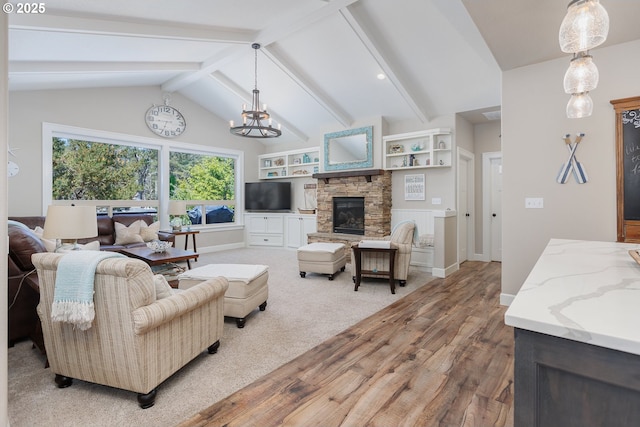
{"type": "Point", "coordinates": [323, 258]}
{"type": "Point", "coordinates": [247, 290]}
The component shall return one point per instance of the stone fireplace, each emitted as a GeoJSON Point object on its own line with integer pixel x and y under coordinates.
{"type": "Point", "coordinates": [373, 185]}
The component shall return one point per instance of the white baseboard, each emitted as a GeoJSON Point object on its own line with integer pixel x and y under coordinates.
{"type": "Point", "coordinates": [506, 299]}
{"type": "Point", "coordinates": [444, 272]}
{"type": "Point", "coordinates": [220, 248]}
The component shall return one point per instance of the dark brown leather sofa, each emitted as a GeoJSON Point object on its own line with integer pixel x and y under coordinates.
{"type": "Point", "coordinates": [23, 280]}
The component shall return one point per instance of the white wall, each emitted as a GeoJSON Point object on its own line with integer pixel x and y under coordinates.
{"type": "Point", "coordinates": [533, 125]}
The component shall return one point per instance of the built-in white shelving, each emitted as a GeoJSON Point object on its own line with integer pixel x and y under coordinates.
{"type": "Point", "coordinates": [417, 150]}
{"type": "Point", "coordinates": [289, 164]}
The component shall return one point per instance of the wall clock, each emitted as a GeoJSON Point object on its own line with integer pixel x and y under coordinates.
{"type": "Point", "coordinates": [12, 168]}
{"type": "Point", "coordinates": [165, 120]}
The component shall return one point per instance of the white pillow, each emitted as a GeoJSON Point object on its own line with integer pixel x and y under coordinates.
{"type": "Point", "coordinates": [163, 289]}
{"type": "Point", "coordinates": [127, 235]}
{"type": "Point", "coordinates": [49, 244]}
{"type": "Point", "coordinates": [149, 232]}
{"type": "Point", "coordinates": [91, 246]}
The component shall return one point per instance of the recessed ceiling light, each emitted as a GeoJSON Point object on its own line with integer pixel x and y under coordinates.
{"type": "Point", "coordinates": [381, 76]}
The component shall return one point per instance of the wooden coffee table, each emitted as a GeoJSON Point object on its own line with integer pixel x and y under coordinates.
{"type": "Point", "coordinates": [158, 258]}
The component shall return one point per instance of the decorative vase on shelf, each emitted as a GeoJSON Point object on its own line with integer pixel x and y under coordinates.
{"type": "Point", "coordinates": [442, 145]}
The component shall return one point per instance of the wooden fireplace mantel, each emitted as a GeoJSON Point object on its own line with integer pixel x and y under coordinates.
{"type": "Point", "coordinates": [368, 173]}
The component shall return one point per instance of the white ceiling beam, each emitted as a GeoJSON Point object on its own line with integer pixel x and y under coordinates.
{"type": "Point", "coordinates": [70, 67]}
{"type": "Point", "coordinates": [212, 64]}
{"type": "Point", "coordinates": [305, 84]}
{"type": "Point", "coordinates": [286, 26]}
{"type": "Point", "coordinates": [91, 25]}
{"type": "Point", "coordinates": [247, 98]}
{"type": "Point", "coordinates": [383, 63]}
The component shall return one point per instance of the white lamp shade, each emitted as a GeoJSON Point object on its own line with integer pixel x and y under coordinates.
{"type": "Point", "coordinates": [585, 26]}
{"type": "Point", "coordinates": [580, 105]}
{"type": "Point", "coordinates": [177, 207]}
{"type": "Point", "coordinates": [70, 222]}
{"type": "Point", "coordinates": [582, 75]}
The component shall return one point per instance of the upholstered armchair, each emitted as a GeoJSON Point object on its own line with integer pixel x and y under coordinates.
{"type": "Point", "coordinates": [402, 239]}
{"type": "Point", "coordinates": [136, 340]}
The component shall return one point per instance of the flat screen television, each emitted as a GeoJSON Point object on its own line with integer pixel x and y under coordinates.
{"type": "Point", "coordinates": [267, 196]}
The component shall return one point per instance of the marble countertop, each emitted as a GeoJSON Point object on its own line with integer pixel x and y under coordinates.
{"type": "Point", "coordinates": [583, 291]}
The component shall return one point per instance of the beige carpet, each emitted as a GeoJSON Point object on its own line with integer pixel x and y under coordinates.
{"type": "Point", "coordinates": [301, 313]}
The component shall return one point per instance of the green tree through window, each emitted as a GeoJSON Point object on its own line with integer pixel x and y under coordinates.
{"type": "Point", "coordinates": [203, 177]}
{"type": "Point", "coordinates": [84, 170]}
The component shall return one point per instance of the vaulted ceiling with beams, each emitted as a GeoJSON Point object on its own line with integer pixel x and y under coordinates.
{"type": "Point", "coordinates": [319, 62]}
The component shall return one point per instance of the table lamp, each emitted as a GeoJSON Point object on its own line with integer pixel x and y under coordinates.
{"type": "Point", "coordinates": [177, 208]}
{"type": "Point", "coordinates": [70, 223]}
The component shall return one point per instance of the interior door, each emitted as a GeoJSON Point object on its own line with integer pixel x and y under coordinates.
{"type": "Point", "coordinates": [466, 241]}
{"type": "Point", "coordinates": [496, 208]}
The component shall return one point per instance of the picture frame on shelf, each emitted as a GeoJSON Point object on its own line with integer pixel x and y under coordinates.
{"type": "Point", "coordinates": [267, 163]}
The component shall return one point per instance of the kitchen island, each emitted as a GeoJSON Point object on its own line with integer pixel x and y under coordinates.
{"type": "Point", "coordinates": [577, 337]}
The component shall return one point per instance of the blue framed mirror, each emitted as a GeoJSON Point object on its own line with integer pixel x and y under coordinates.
{"type": "Point", "coordinates": [349, 149]}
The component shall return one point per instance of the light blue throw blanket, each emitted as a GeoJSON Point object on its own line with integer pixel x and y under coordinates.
{"type": "Point", "coordinates": [73, 293]}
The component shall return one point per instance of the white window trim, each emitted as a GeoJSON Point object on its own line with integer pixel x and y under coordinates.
{"type": "Point", "coordinates": [50, 130]}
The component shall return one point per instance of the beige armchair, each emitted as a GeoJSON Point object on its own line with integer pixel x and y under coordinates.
{"type": "Point", "coordinates": [135, 341]}
{"type": "Point", "coordinates": [402, 239]}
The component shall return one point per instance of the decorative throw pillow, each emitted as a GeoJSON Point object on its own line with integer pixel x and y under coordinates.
{"type": "Point", "coordinates": [149, 232]}
{"type": "Point", "coordinates": [163, 289]}
{"type": "Point", "coordinates": [91, 246]}
{"type": "Point", "coordinates": [50, 244]}
{"type": "Point", "coordinates": [127, 235]}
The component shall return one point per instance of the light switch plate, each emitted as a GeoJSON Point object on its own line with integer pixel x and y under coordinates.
{"type": "Point", "coordinates": [436, 201]}
{"type": "Point", "coordinates": [534, 203]}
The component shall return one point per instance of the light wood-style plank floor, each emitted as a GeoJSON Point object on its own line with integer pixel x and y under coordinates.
{"type": "Point", "coordinates": [441, 356]}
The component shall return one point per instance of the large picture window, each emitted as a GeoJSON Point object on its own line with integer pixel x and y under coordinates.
{"type": "Point", "coordinates": [124, 173]}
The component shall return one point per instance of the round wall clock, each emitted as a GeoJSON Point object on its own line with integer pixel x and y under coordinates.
{"type": "Point", "coordinates": [165, 120]}
{"type": "Point", "coordinates": [12, 168]}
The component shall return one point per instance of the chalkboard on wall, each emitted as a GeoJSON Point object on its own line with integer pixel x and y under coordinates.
{"type": "Point", "coordinates": [631, 163]}
{"type": "Point", "coordinates": [628, 168]}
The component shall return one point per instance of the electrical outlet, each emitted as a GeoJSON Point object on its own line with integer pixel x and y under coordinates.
{"type": "Point", "coordinates": [534, 203]}
{"type": "Point", "coordinates": [436, 201]}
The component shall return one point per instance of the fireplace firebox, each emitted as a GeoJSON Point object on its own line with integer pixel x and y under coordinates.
{"type": "Point", "coordinates": [348, 215]}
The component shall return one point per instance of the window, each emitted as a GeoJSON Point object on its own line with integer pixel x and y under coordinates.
{"type": "Point", "coordinates": [206, 182]}
{"type": "Point", "coordinates": [125, 173]}
{"type": "Point", "coordinates": [91, 170]}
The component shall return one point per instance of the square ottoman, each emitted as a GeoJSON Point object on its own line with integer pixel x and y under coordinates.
{"type": "Point", "coordinates": [323, 258]}
{"type": "Point", "coordinates": [247, 290]}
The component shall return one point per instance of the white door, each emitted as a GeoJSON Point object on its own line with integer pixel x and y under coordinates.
{"type": "Point", "coordinates": [465, 205]}
{"type": "Point", "coordinates": [496, 209]}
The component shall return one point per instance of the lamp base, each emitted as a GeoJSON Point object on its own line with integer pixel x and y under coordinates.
{"type": "Point", "coordinates": [67, 245]}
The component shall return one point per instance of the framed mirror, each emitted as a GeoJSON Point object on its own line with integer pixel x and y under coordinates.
{"type": "Point", "coordinates": [349, 149]}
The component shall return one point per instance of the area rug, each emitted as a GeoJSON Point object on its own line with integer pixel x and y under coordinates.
{"type": "Point", "coordinates": [301, 313]}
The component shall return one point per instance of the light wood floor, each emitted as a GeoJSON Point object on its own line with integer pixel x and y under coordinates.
{"type": "Point", "coordinates": [442, 356]}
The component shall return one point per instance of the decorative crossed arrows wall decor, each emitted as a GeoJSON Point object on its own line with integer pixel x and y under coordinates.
{"type": "Point", "coordinates": [572, 164]}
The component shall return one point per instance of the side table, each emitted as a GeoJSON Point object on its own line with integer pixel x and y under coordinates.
{"type": "Point", "coordinates": [357, 254]}
{"type": "Point", "coordinates": [186, 234]}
